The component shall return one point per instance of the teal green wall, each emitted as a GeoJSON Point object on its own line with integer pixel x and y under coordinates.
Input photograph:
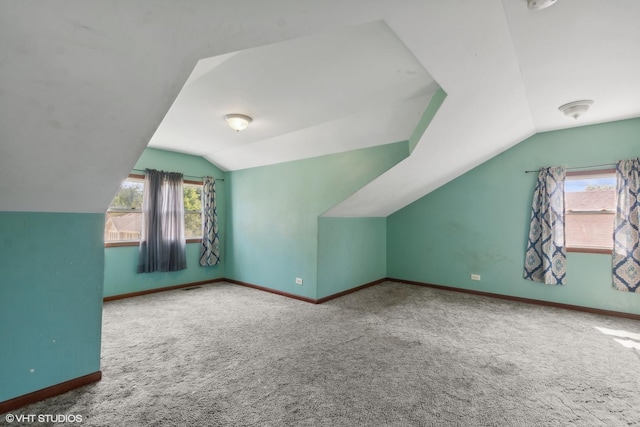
{"type": "Point", "coordinates": [351, 252]}
{"type": "Point", "coordinates": [51, 267]}
{"type": "Point", "coordinates": [479, 222]}
{"type": "Point", "coordinates": [429, 113]}
{"type": "Point", "coordinates": [273, 214]}
{"type": "Point", "coordinates": [169, 161]}
{"type": "Point", "coordinates": [120, 273]}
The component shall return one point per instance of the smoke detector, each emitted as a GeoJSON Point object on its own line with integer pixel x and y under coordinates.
{"type": "Point", "coordinates": [540, 4]}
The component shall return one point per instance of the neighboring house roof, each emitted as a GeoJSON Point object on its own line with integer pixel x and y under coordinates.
{"type": "Point", "coordinates": [595, 230]}
{"type": "Point", "coordinates": [590, 200]}
{"type": "Point", "coordinates": [589, 230]}
{"type": "Point", "coordinates": [131, 222]}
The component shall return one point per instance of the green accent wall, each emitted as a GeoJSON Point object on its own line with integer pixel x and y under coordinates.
{"type": "Point", "coordinates": [121, 277]}
{"type": "Point", "coordinates": [272, 234]}
{"type": "Point", "coordinates": [479, 222]}
{"type": "Point", "coordinates": [429, 113]}
{"type": "Point", "coordinates": [351, 252]}
{"type": "Point", "coordinates": [51, 269]}
{"type": "Point", "coordinates": [120, 273]}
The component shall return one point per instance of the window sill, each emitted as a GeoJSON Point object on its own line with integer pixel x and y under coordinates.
{"type": "Point", "coordinates": [120, 244]}
{"type": "Point", "coordinates": [604, 251]}
{"type": "Point", "coordinates": [137, 243]}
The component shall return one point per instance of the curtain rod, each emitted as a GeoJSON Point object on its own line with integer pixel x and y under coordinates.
{"type": "Point", "coordinates": [185, 176]}
{"type": "Point", "coordinates": [579, 167]}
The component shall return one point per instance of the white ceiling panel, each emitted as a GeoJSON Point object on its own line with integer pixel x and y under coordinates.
{"type": "Point", "coordinates": [338, 91]}
{"type": "Point", "coordinates": [85, 86]}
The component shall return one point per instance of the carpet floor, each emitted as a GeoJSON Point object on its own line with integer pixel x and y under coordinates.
{"type": "Point", "coordinates": [389, 355]}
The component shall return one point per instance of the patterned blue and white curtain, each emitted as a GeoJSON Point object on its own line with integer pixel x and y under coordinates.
{"type": "Point", "coordinates": [210, 249]}
{"type": "Point", "coordinates": [545, 259]}
{"type": "Point", "coordinates": [626, 253]}
{"type": "Point", "coordinates": [162, 241]}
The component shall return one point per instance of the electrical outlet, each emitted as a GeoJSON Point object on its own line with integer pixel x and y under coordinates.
{"type": "Point", "coordinates": [298, 281]}
{"type": "Point", "coordinates": [475, 277]}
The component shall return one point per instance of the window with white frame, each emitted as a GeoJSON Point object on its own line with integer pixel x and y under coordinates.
{"type": "Point", "coordinates": [123, 222]}
{"type": "Point", "coordinates": [589, 211]}
{"type": "Point", "coordinates": [192, 194]}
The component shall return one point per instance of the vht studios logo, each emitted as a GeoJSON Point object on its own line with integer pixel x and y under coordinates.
{"type": "Point", "coordinates": [43, 418]}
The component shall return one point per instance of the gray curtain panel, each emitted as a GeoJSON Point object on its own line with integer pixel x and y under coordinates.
{"type": "Point", "coordinates": [626, 237]}
{"type": "Point", "coordinates": [545, 260]}
{"type": "Point", "coordinates": [162, 243]}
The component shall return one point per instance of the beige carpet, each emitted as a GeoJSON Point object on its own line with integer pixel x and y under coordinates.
{"type": "Point", "coordinates": [389, 355]}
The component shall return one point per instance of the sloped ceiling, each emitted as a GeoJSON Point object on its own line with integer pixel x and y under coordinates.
{"type": "Point", "coordinates": [352, 88]}
{"type": "Point", "coordinates": [85, 85]}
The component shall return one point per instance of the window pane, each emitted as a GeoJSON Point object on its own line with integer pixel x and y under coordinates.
{"type": "Point", "coordinates": [129, 196]}
{"type": "Point", "coordinates": [578, 183]}
{"type": "Point", "coordinates": [121, 226]}
{"type": "Point", "coordinates": [589, 231]}
{"type": "Point", "coordinates": [192, 211]}
{"type": "Point", "coordinates": [193, 225]}
{"type": "Point", "coordinates": [192, 197]}
{"type": "Point", "coordinates": [589, 206]}
{"type": "Point", "coordinates": [126, 226]}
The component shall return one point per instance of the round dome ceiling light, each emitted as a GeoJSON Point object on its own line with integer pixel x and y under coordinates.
{"type": "Point", "coordinates": [237, 122]}
{"type": "Point", "coordinates": [576, 108]}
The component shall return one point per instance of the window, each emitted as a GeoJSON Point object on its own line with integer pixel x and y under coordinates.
{"type": "Point", "coordinates": [589, 211]}
{"type": "Point", "coordinates": [192, 210]}
{"type": "Point", "coordinates": [123, 222]}
{"type": "Point", "coordinates": [124, 216]}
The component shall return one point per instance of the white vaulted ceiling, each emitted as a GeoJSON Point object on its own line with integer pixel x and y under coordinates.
{"type": "Point", "coordinates": [85, 86]}
{"type": "Point", "coordinates": [347, 89]}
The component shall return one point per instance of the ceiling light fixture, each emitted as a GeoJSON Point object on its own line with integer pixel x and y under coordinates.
{"type": "Point", "coordinates": [237, 122]}
{"type": "Point", "coordinates": [540, 4]}
{"type": "Point", "coordinates": [576, 108]}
